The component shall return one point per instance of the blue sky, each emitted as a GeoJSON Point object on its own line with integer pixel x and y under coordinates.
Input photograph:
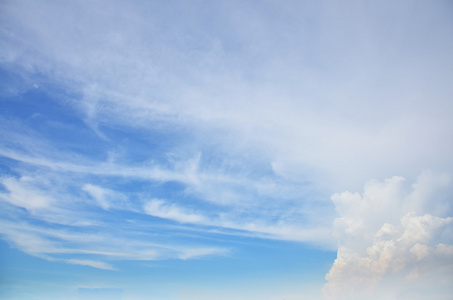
{"type": "Point", "coordinates": [226, 150]}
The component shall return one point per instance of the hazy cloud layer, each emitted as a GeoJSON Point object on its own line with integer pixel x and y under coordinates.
{"type": "Point", "coordinates": [358, 92]}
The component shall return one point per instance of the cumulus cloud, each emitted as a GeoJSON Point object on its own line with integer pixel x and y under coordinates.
{"type": "Point", "coordinates": [389, 247]}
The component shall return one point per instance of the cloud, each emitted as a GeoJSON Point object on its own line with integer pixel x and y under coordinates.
{"type": "Point", "coordinates": [195, 253]}
{"type": "Point", "coordinates": [91, 263]}
{"type": "Point", "coordinates": [68, 230]}
{"type": "Point", "coordinates": [236, 198]}
{"type": "Point", "coordinates": [241, 215]}
{"type": "Point", "coordinates": [106, 198]}
{"type": "Point", "coordinates": [160, 208]}
{"type": "Point", "coordinates": [99, 194]}
{"type": "Point", "coordinates": [316, 108]}
{"type": "Point", "coordinates": [21, 192]}
{"type": "Point", "coordinates": [388, 245]}
{"type": "Point", "coordinates": [238, 223]}
{"type": "Point", "coordinates": [99, 249]}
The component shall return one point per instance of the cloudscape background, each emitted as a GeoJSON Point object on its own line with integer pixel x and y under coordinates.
{"type": "Point", "coordinates": [226, 150]}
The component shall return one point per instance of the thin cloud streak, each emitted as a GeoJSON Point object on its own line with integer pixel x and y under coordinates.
{"type": "Point", "coordinates": [56, 244]}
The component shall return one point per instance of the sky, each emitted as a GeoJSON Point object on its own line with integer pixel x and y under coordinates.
{"type": "Point", "coordinates": [189, 150]}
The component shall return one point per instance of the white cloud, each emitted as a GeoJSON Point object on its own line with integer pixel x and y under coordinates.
{"type": "Point", "coordinates": [257, 226]}
{"type": "Point", "coordinates": [91, 263]}
{"type": "Point", "coordinates": [96, 249]}
{"type": "Point", "coordinates": [242, 214]}
{"type": "Point", "coordinates": [106, 198]}
{"type": "Point", "coordinates": [232, 190]}
{"type": "Point", "coordinates": [199, 252]}
{"type": "Point", "coordinates": [317, 117]}
{"type": "Point", "coordinates": [22, 192]}
{"type": "Point", "coordinates": [389, 248]}
{"type": "Point", "coordinates": [162, 209]}
{"type": "Point", "coordinates": [99, 194]}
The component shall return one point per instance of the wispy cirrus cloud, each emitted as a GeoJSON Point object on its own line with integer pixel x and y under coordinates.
{"type": "Point", "coordinates": [22, 194]}
{"type": "Point", "coordinates": [98, 248]}
{"type": "Point", "coordinates": [161, 209]}
{"type": "Point", "coordinates": [300, 130]}
{"type": "Point", "coordinates": [229, 196]}
{"type": "Point", "coordinates": [91, 263]}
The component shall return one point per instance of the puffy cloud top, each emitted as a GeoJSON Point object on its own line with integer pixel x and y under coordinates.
{"type": "Point", "coordinates": [388, 249]}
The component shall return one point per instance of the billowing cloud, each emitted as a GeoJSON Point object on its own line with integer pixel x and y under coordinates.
{"type": "Point", "coordinates": [389, 247]}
